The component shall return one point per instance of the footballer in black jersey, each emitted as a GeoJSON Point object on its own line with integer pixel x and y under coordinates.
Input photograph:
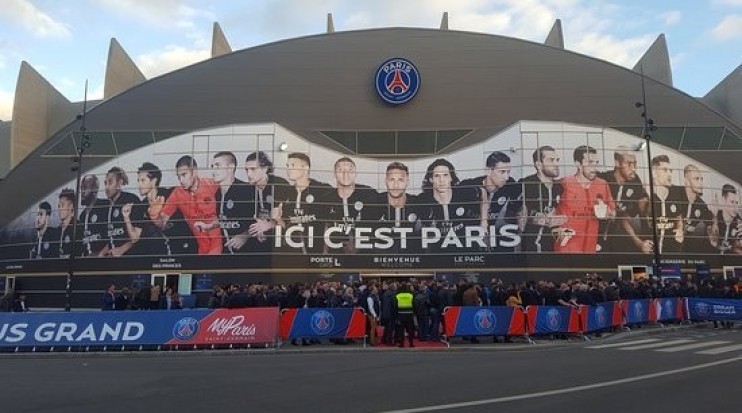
{"type": "Point", "coordinates": [296, 209]}
{"type": "Point", "coordinates": [117, 239]}
{"type": "Point", "coordinates": [345, 208]}
{"type": "Point", "coordinates": [45, 238]}
{"type": "Point", "coordinates": [631, 200]}
{"type": "Point", "coordinates": [449, 208]}
{"type": "Point", "coordinates": [264, 186]}
{"type": "Point", "coordinates": [697, 218]}
{"type": "Point", "coordinates": [541, 194]}
{"type": "Point", "coordinates": [232, 202]}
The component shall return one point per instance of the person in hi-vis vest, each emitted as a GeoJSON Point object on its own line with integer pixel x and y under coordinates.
{"type": "Point", "coordinates": [402, 306]}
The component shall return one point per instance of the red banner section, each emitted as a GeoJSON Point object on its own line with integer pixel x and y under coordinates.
{"type": "Point", "coordinates": [238, 326]}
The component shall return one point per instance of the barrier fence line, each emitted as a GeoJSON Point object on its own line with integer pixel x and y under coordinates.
{"type": "Point", "coordinates": [266, 326]}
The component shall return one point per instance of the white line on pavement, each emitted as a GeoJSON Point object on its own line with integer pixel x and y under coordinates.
{"type": "Point", "coordinates": [626, 343]}
{"type": "Point", "coordinates": [721, 350]}
{"type": "Point", "coordinates": [657, 345]}
{"type": "Point", "coordinates": [693, 346]}
{"type": "Point", "coordinates": [575, 389]}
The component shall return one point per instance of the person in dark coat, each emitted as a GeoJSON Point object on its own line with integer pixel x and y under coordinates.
{"type": "Point", "coordinates": [19, 305]}
{"type": "Point", "coordinates": [109, 299]}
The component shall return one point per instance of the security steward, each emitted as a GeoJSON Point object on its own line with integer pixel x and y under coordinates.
{"type": "Point", "coordinates": [403, 309]}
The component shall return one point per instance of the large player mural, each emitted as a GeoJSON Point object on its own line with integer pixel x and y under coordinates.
{"type": "Point", "coordinates": [538, 193]}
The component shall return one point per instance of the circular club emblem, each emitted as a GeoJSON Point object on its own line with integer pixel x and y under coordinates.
{"type": "Point", "coordinates": [322, 322]}
{"type": "Point", "coordinates": [703, 309]}
{"type": "Point", "coordinates": [269, 199]}
{"type": "Point", "coordinates": [668, 309]}
{"type": "Point", "coordinates": [459, 211]}
{"type": "Point", "coordinates": [601, 318]}
{"type": "Point", "coordinates": [553, 319]}
{"type": "Point", "coordinates": [94, 218]}
{"type": "Point", "coordinates": [485, 321]}
{"type": "Point", "coordinates": [230, 204]}
{"type": "Point", "coordinates": [638, 311]}
{"type": "Point", "coordinates": [698, 213]}
{"type": "Point", "coordinates": [310, 198]}
{"type": "Point", "coordinates": [46, 245]}
{"type": "Point", "coordinates": [412, 217]}
{"type": "Point", "coordinates": [116, 213]}
{"type": "Point", "coordinates": [67, 239]}
{"type": "Point", "coordinates": [501, 200]}
{"type": "Point", "coordinates": [397, 81]}
{"type": "Point", "coordinates": [629, 192]}
{"type": "Point", "coordinates": [673, 208]}
{"type": "Point", "coordinates": [185, 329]}
{"type": "Point", "coordinates": [358, 205]}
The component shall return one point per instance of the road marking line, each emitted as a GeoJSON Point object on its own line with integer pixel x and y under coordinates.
{"type": "Point", "coordinates": [566, 390]}
{"type": "Point", "coordinates": [626, 343]}
{"type": "Point", "coordinates": [656, 345]}
{"type": "Point", "coordinates": [693, 346]}
{"type": "Point", "coordinates": [721, 350]}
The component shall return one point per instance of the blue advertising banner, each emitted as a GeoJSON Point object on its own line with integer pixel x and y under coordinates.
{"type": "Point", "coordinates": [484, 321]}
{"type": "Point", "coordinates": [552, 319]}
{"type": "Point", "coordinates": [323, 323]}
{"type": "Point", "coordinates": [667, 309]}
{"type": "Point", "coordinates": [714, 309]}
{"type": "Point", "coordinates": [599, 316]}
{"type": "Point", "coordinates": [117, 328]}
{"type": "Point", "coordinates": [636, 311]}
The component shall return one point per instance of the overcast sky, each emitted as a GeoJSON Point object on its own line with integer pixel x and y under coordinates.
{"type": "Point", "coordinates": [67, 41]}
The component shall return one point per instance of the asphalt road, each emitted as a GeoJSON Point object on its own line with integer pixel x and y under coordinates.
{"type": "Point", "coordinates": [674, 371]}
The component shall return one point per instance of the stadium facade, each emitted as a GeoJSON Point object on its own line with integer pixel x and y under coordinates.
{"type": "Point", "coordinates": [347, 155]}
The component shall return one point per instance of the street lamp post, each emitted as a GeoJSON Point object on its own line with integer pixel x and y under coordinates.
{"type": "Point", "coordinates": [83, 144]}
{"type": "Point", "coordinates": [647, 128]}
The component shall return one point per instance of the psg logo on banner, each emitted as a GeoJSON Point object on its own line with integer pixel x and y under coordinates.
{"type": "Point", "coordinates": [397, 81]}
{"type": "Point", "coordinates": [322, 322]}
{"type": "Point", "coordinates": [601, 318]}
{"type": "Point", "coordinates": [703, 309]}
{"type": "Point", "coordinates": [553, 319]}
{"type": "Point", "coordinates": [185, 329]}
{"type": "Point", "coordinates": [638, 311]}
{"type": "Point", "coordinates": [485, 321]}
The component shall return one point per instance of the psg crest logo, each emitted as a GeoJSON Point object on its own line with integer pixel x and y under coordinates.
{"type": "Point", "coordinates": [553, 319]}
{"type": "Point", "coordinates": [638, 311]}
{"type": "Point", "coordinates": [669, 310]}
{"type": "Point", "coordinates": [485, 321]}
{"type": "Point", "coordinates": [185, 329]}
{"type": "Point", "coordinates": [703, 309]}
{"type": "Point", "coordinates": [600, 317]}
{"type": "Point", "coordinates": [322, 322]}
{"type": "Point", "coordinates": [397, 81]}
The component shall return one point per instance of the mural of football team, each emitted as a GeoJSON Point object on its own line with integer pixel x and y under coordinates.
{"type": "Point", "coordinates": [526, 191]}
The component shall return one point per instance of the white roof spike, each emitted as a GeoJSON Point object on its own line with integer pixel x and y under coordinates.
{"type": "Point", "coordinates": [726, 97]}
{"type": "Point", "coordinates": [121, 71]}
{"type": "Point", "coordinates": [444, 21]}
{"type": "Point", "coordinates": [39, 110]}
{"type": "Point", "coordinates": [330, 24]}
{"type": "Point", "coordinates": [219, 44]}
{"type": "Point", "coordinates": [555, 38]}
{"type": "Point", "coordinates": [656, 62]}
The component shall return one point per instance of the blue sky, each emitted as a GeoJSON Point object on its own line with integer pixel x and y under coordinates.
{"type": "Point", "coordinates": [67, 41]}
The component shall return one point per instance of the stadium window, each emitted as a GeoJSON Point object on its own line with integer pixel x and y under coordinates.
{"type": "Point", "coordinates": [377, 143]}
{"type": "Point", "coordinates": [348, 139]}
{"type": "Point", "coordinates": [701, 139]}
{"type": "Point", "coordinates": [129, 141]}
{"type": "Point", "coordinates": [65, 147]}
{"type": "Point", "coordinates": [730, 142]}
{"type": "Point", "coordinates": [416, 142]}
